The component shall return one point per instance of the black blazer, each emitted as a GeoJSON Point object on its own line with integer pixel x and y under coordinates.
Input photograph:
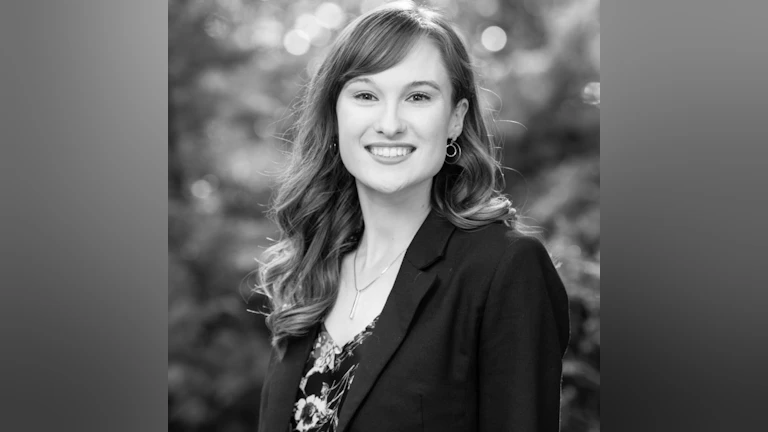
{"type": "Point", "coordinates": [471, 338]}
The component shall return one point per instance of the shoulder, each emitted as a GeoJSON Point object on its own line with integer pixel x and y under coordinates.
{"type": "Point", "coordinates": [497, 245]}
{"type": "Point", "coordinates": [510, 274]}
{"type": "Point", "coordinates": [494, 254]}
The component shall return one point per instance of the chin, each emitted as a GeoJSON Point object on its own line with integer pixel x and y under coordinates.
{"type": "Point", "coordinates": [385, 189]}
{"type": "Point", "coordinates": [395, 187]}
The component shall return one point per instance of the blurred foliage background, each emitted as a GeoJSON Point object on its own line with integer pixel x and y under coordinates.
{"type": "Point", "coordinates": [235, 67]}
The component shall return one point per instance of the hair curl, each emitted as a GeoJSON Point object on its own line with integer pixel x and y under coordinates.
{"type": "Point", "coordinates": [316, 205]}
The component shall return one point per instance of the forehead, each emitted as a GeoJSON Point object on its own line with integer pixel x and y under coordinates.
{"type": "Point", "coordinates": [424, 62]}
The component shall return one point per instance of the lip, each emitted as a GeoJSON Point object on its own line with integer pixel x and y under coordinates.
{"type": "Point", "coordinates": [390, 160]}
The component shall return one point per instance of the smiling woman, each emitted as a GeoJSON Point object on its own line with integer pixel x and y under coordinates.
{"type": "Point", "coordinates": [404, 294]}
{"type": "Point", "coordinates": [393, 125]}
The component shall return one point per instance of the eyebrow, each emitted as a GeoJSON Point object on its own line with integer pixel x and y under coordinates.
{"type": "Point", "coordinates": [428, 83]}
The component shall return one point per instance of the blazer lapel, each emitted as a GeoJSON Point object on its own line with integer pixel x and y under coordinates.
{"type": "Point", "coordinates": [411, 285]}
{"type": "Point", "coordinates": [284, 382]}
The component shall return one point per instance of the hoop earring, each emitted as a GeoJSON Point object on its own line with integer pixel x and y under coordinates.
{"type": "Point", "coordinates": [453, 150]}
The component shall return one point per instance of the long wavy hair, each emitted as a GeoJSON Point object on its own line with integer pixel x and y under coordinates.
{"type": "Point", "coordinates": [316, 205]}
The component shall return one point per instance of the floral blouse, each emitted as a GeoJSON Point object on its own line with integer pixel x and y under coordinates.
{"type": "Point", "coordinates": [328, 375]}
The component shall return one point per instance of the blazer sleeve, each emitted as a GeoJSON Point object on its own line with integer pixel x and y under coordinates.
{"type": "Point", "coordinates": [524, 333]}
{"type": "Point", "coordinates": [264, 400]}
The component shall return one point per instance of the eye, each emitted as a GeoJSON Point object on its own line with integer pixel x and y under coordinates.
{"type": "Point", "coordinates": [420, 97]}
{"type": "Point", "coordinates": [365, 96]}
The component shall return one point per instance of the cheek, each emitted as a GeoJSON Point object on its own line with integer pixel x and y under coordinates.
{"type": "Point", "coordinates": [437, 129]}
{"type": "Point", "coordinates": [351, 122]}
{"type": "Point", "coordinates": [348, 135]}
{"type": "Point", "coordinates": [432, 122]}
{"type": "Point", "coordinates": [349, 158]}
{"type": "Point", "coordinates": [437, 160]}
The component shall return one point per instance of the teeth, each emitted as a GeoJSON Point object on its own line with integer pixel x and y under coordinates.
{"type": "Point", "coordinates": [390, 152]}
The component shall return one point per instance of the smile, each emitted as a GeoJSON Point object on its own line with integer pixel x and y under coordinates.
{"type": "Point", "coordinates": [390, 151]}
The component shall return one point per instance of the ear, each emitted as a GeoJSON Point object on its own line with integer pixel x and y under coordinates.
{"type": "Point", "coordinates": [456, 125]}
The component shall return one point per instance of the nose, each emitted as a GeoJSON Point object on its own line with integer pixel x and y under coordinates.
{"type": "Point", "coordinates": [390, 123]}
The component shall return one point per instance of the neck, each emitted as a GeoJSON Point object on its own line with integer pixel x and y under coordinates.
{"type": "Point", "coordinates": [391, 221]}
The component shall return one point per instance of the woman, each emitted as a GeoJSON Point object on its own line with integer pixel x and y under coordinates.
{"type": "Point", "coordinates": [403, 295]}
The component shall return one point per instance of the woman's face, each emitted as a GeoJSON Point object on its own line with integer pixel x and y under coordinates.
{"type": "Point", "coordinates": [394, 125]}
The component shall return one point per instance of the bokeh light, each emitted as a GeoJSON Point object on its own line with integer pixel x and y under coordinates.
{"type": "Point", "coordinates": [201, 189]}
{"type": "Point", "coordinates": [296, 42]}
{"type": "Point", "coordinates": [322, 38]}
{"type": "Point", "coordinates": [267, 33]}
{"type": "Point", "coordinates": [591, 93]}
{"type": "Point", "coordinates": [216, 27]}
{"type": "Point", "coordinates": [309, 25]}
{"type": "Point", "coordinates": [329, 15]}
{"type": "Point", "coordinates": [493, 38]}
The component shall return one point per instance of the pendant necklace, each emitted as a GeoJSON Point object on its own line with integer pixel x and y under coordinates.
{"type": "Point", "coordinates": [358, 291]}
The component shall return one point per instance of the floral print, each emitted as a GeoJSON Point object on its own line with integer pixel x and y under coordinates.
{"type": "Point", "coordinates": [310, 412]}
{"type": "Point", "coordinates": [328, 374]}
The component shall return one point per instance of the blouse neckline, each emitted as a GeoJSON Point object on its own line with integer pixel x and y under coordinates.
{"type": "Point", "coordinates": [354, 338]}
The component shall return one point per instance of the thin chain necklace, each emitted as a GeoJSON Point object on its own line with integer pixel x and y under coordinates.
{"type": "Point", "coordinates": [358, 291]}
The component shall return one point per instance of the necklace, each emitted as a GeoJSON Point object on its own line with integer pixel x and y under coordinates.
{"type": "Point", "coordinates": [358, 291]}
